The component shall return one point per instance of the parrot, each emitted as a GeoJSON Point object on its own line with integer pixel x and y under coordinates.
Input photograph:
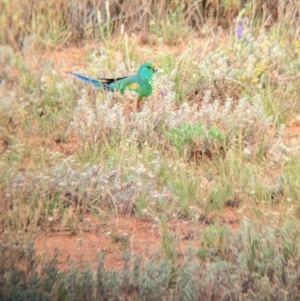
{"type": "Point", "coordinates": [141, 82]}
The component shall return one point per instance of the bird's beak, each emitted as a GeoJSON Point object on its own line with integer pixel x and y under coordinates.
{"type": "Point", "coordinates": [153, 67]}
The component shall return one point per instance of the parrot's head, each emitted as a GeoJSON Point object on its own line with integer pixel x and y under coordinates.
{"type": "Point", "coordinates": [147, 69]}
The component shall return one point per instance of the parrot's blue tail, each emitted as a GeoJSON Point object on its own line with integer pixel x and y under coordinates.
{"type": "Point", "coordinates": [95, 82]}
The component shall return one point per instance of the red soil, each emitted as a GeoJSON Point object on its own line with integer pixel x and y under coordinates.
{"type": "Point", "coordinates": [122, 233]}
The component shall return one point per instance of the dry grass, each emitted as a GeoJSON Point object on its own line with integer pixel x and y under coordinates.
{"type": "Point", "coordinates": [56, 23]}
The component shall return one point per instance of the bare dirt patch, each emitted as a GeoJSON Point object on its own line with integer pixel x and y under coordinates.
{"type": "Point", "coordinates": [122, 233]}
{"type": "Point", "coordinates": [292, 132]}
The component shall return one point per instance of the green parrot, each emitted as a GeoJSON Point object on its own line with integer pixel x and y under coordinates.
{"type": "Point", "coordinates": [141, 82]}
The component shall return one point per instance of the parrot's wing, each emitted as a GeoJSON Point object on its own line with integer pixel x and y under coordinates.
{"type": "Point", "coordinates": [106, 82]}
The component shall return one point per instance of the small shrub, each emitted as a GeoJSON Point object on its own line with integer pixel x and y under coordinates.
{"type": "Point", "coordinates": [185, 134]}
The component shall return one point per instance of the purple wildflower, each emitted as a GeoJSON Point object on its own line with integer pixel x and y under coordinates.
{"type": "Point", "coordinates": [163, 93]}
{"type": "Point", "coordinates": [240, 30]}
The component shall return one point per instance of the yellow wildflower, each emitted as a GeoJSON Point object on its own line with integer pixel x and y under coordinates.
{"type": "Point", "coordinates": [243, 77]}
{"type": "Point", "coordinates": [258, 70]}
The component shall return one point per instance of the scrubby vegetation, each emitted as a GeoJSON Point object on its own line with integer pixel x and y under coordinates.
{"type": "Point", "coordinates": [256, 263]}
{"type": "Point", "coordinates": [211, 135]}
